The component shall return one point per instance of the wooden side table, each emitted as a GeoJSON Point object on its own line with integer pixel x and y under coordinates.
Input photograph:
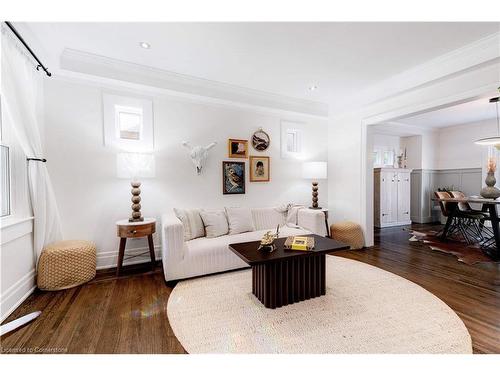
{"type": "Point", "coordinates": [126, 229]}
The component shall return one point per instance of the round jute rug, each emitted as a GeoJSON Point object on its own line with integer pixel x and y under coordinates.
{"type": "Point", "coordinates": [365, 310]}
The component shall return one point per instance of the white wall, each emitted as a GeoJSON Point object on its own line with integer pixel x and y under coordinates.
{"type": "Point", "coordinates": [456, 144]}
{"type": "Point", "coordinates": [388, 142]}
{"type": "Point", "coordinates": [430, 147]}
{"type": "Point", "coordinates": [91, 198]}
{"type": "Point", "coordinates": [413, 145]}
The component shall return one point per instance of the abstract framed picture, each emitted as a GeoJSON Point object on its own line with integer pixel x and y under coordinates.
{"type": "Point", "coordinates": [260, 169]}
{"type": "Point", "coordinates": [260, 140]}
{"type": "Point", "coordinates": [233, 177]}
{"type": "Point", "coordinates": [237, 148]}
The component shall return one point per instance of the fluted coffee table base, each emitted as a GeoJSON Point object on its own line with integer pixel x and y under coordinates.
{"type": "Point", "coordinates": [283, 276]}
{"type": "Point", "coordinates": [290, 280]}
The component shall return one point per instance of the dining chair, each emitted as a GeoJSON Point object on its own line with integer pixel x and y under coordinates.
{"type": "Point", "coordinates": [485, 233]}
{"type": "Point", "coordinates": [472, 221]}
{"type": "Point", "coordinates": [461, 219]}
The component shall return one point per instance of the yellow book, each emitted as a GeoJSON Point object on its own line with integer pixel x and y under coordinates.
{"type": "Point", "coordinates": [299, 243]}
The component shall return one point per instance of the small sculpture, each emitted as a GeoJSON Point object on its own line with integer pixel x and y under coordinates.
{"type": "Point", "coordinates": [267, 241]}
{"type": "Point", "coordinates": [198, 154]}
{"type": "Point", "coordinates": [490, 191]}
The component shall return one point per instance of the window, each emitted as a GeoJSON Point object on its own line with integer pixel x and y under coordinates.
{"type": "Point", "coordinates": [128, 123]}
{"type": "Point", "coordinates": [5, 180]}
{"type": "Point", "coordinates": [383, 157]}
{"type": "Point", "coordinates": [291, 139]}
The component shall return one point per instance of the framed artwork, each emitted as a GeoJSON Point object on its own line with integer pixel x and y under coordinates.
{"type": "Point", "coordinates": [260, 169]}
{"type": "Point", "coordinates": [260, 140]}
{"type": "Point", "coordinates": [237, 148]}
{"type": "Point", "coordinates": [233, 177]}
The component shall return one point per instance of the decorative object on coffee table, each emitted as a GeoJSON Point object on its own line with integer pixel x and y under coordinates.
{"type": "Point", "coordinates": [302, 243]}
{"type": "Point", "coordinates": [134, 166]}
{"type": "Point", "coordinates": [314, 170]}
{"type": "Point", "coordinates": [126, 229]}
{"type": "Point", "coordinates": [66, 264]}
{"type": "Point", "coordinates": [233, 177]}
{"type": "Point", "coordinates": [260, 140]}
{"type": "Point", "coordinates": [267, 241]}
{"type": "Point", "coordinates": [237, 148]}
{"type": "Point", "coordinates": [283, 277]}
{"type": "Point", "coordinates": [490, 191]}
{"type": "Point", "coordinates": [260, 170]}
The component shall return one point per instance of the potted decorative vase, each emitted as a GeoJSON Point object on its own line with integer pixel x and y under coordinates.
{"type": "Point", "coordinates": [490, 191]}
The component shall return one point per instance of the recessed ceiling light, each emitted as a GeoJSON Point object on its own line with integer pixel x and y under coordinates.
{"type": "Point", "coordinates": [312, 88]}
{"type": "Point", "coordinates": [145, 45]}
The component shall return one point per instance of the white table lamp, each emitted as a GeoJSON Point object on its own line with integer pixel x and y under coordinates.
{"type": "Point", "coordinates": [314, 170]}
{"type": "Point", "coordinates": [134, 166]}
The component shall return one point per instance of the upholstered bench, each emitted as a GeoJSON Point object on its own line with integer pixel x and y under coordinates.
{"type": "Point", "coordinates": [66, 264]}
{"type": "Point", "coordinates": [349, 233]}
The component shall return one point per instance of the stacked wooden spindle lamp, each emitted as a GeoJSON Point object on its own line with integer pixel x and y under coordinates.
{"type": "Point", "coordinates": [134, 166]}
{"type": "Point", "coordinates": [314, 170]}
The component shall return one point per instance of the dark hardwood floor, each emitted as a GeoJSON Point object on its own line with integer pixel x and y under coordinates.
{"type": "Point", "coordinates": [128, 314]}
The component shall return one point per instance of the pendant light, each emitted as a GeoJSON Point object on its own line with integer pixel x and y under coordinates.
{"type": "Point", "coordinates": [492, 141]}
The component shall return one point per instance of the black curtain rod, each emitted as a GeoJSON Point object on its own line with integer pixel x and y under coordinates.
{"type": "Point", "coordinates": [40, 65]}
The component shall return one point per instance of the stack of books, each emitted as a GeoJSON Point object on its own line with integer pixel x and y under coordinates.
{"type": "Point", "coordinates": [302, 243]}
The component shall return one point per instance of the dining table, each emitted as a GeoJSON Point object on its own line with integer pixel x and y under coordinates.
{"type": "Point", "coordinates": [490, 206]}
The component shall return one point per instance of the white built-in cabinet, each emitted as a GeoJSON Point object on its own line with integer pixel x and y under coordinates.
{"type": "Point", "coordinates": [391, 197]}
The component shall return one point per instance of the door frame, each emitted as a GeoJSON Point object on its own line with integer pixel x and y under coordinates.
{"type": "Point", "coordinates": [393, 115]}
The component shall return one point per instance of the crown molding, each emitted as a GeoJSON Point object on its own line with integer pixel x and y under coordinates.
{"type": "Point", "coordinates": [94, 65]}
{"type": "Point", "coordinates": [479, 54]}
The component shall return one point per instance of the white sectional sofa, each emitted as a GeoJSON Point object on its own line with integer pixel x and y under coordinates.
{"type": "Point", "coordinates": [201, 256]}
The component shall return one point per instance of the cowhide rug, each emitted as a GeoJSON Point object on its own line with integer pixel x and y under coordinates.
{"type": "Point", "coordinates": [468, 254]}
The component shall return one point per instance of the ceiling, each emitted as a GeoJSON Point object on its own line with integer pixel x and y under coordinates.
{"type": "Point", "coordinates": [282, 58]}
{"type": "Point", "coordinates": [474, 111]}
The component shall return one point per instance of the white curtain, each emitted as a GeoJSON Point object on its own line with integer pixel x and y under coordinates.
{"type": "Point", "coordinates": [22, 99]}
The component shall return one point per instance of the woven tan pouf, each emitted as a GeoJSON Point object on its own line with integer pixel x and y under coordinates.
{"type": "Point", "coordinates": [66, 264]}
{"type": "Point", "coordinates": [349, 233]}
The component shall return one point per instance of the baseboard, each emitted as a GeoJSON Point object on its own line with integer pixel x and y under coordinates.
{"type": "Point", "coordinates": [109, 259]}
{"type": "Point", "coordinates": [17, 294]}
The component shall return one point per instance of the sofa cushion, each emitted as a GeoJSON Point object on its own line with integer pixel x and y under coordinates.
{"type": "Point", "coordinates": [215, 223]}
{"type": "Point", "coordinates": [239, 220]}
{"type": "Point", "coordinates": [191, 220]}
{"type": "Point", "coordinates": [209, 247]}
{"type": "Point", "coordinates": [268, 218]}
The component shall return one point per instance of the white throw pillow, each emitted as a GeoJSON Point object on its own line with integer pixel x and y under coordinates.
{"type": "Point", "coordinates": [191, 220]}
{"type": "Point", "coordinates": [215, 223]}
{"type": "Point", "coordinates": [239, 220]}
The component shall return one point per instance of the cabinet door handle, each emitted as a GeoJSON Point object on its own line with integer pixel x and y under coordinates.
{"type": "Point", "coordinates": [384, 214]}
{"type": "Point", "coordinates": [133, 231]}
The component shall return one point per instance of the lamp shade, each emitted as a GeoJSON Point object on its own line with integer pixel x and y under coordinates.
{"type": "Point", "coordinates": [314, 170]}
{"type": "Point", "coordinates": [135, 165]}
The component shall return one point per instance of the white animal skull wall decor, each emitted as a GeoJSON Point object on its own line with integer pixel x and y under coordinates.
{"type": "Point", "coordinates": [198, 154]}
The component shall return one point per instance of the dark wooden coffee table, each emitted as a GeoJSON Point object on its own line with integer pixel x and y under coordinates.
{"type": "Point", "coordinates": [285, 276]}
